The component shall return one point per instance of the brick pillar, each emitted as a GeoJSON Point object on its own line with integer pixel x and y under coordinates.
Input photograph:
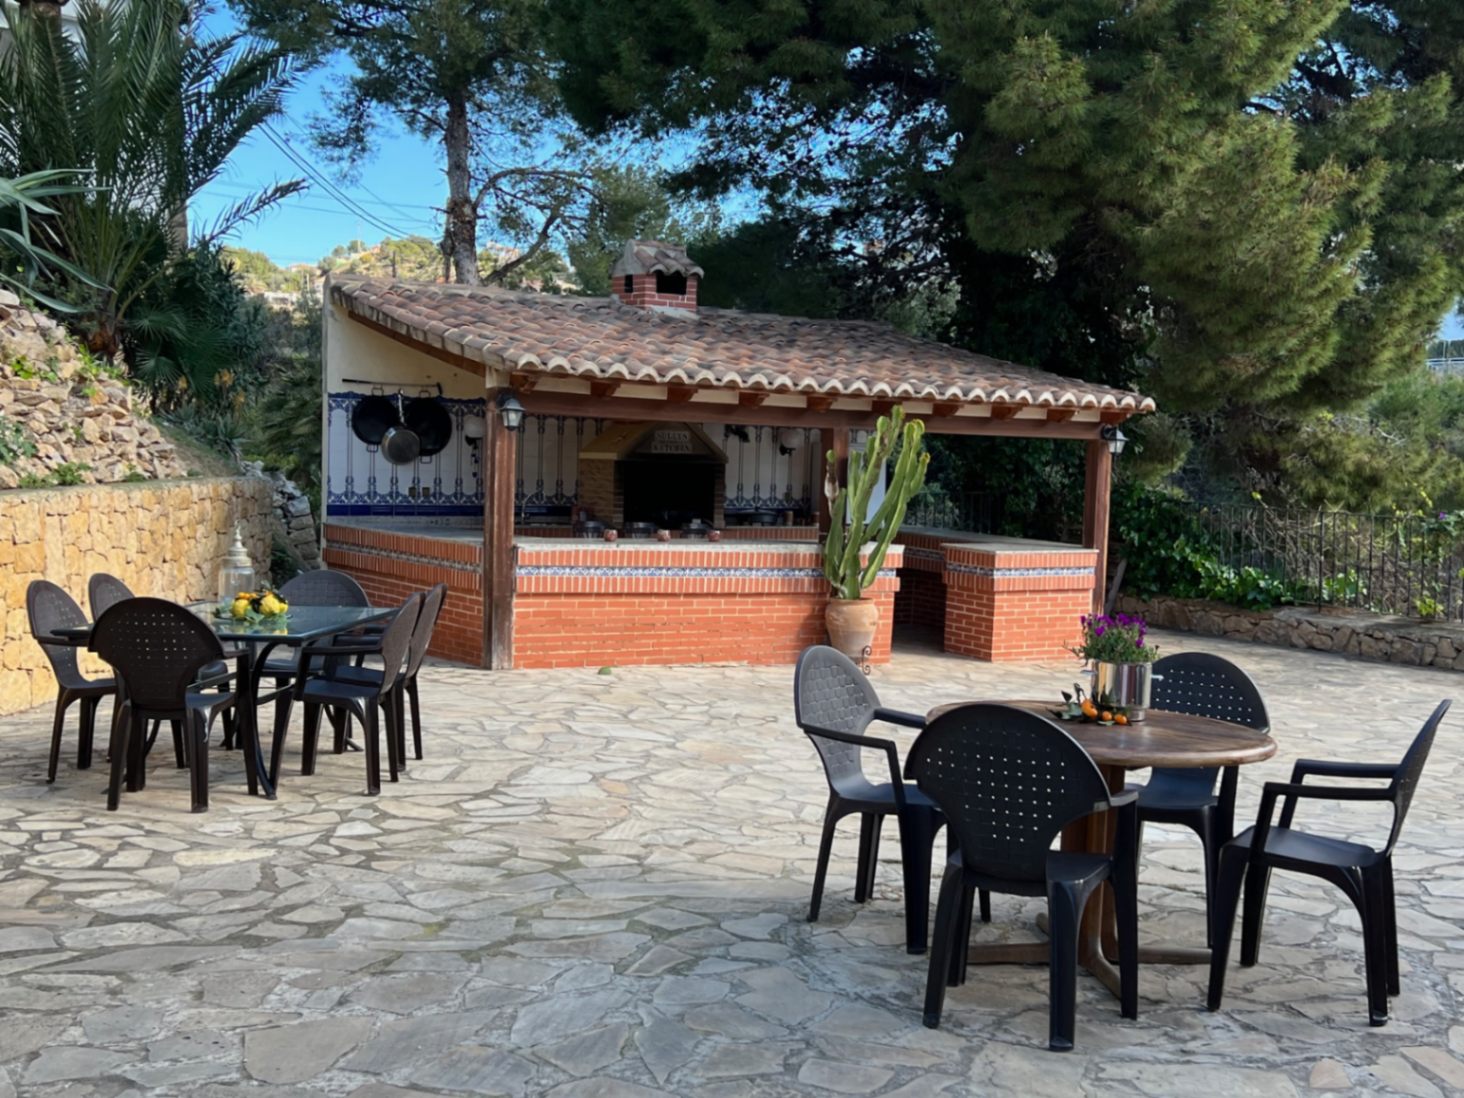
{"type": "Point", "coordinates": [1016, 601]}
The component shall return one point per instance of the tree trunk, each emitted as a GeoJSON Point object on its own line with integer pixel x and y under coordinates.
{"type": "Point", "coordinates": [460, 243]}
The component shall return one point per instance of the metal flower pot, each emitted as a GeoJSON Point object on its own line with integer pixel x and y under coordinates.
{"type": "Point", "coordinates": [1124, 685]}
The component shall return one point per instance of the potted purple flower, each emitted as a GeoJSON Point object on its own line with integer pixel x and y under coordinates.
{"type": "Point", "coordinates": [1122, 663]}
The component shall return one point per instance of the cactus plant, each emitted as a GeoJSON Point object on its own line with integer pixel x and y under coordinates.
{"type": "Point", "coordinates": [852, 526]}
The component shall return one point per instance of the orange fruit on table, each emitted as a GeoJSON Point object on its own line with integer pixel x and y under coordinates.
{"type": "Point", "coordinates": [1089, 709]}
{"type": "Point", "coordinates": [1105, 716]}
{"type": "Point", "coordinates": [1119, 718]}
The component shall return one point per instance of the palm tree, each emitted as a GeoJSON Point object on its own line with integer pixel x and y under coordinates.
{"type": "Point", "coordinates": [148, 108]}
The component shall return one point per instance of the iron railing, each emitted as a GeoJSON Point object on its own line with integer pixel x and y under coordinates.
{"type": "Point", "coordinates": [1392, 564]}
{"type": "Point", "coordinates": [974, 512]}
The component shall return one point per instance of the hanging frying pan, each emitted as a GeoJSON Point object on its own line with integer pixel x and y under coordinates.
{"type": "Point", "coordinates": [372, 417]}
{"type": "Point", "coordinates": [400, 445]}
{"type": "Point", "coordinates": [429, 418]}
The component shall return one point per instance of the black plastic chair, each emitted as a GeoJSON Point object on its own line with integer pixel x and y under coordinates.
{"type": "Point", "coordinates": [833, 703]}
{"type": "Point", "coordinates": [1202, 685]}
{"type": "Point", "coordinates": [104, 592]}
{"type": "Point", "coordinates": [49, 608]}
{"type": "Point", "coordinates": [405, 689]}
{"type": "Point", "coordinates": [1008, 781]}
{"type": "Point", "coordinates": [1364, 873]}
{"type": "Point", "coordinates": [320, 587]}
{"type": "Point", "coordinates": [359, 700]}
{"type": "Point", "coordinates": [165, 659]}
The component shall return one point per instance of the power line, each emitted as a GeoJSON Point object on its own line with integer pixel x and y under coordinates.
{"type": "Point", "coordinates": [331, 189]}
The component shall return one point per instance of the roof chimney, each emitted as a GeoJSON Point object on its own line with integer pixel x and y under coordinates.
{"type": "Point", "coordinates": [651, 274]}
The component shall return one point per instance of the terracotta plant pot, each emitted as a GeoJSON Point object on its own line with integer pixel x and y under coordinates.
{"type": "Point", "coordinates": [852, 624]}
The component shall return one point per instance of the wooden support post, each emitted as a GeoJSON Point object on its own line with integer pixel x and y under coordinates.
{"type": "Point", "coordinates": [501, 482]}
{"type": "Point", "coordinates": [1097, 490]}
{"type": "Point", "coordinates": [837, 440]}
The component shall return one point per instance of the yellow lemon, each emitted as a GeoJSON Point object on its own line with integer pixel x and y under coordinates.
{"type": "Point", "coordinates": [270, 605]}
{"type": "Point", "coordinates": [241, 608]}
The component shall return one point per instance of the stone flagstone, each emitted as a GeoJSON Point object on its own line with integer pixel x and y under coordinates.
{"type": "Point", "coordinates": [596, 886]}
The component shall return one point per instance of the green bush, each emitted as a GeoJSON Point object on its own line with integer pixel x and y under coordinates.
{"type": "Point", "coordinates": [1169, 551]}
{"type": "Point", "coordinates": [15, 441]}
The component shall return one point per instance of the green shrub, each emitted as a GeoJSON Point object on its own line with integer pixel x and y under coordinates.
{"type": "Point", "coordinates": [15, 441]}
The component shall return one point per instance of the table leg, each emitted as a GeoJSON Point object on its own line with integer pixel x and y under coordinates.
{"type": "Point", "coordinates": [251, 668]}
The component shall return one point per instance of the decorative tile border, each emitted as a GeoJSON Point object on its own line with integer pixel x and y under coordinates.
{"type": "Point", "coordinates": [673, 571]}
{"type": "Point", "coordinates": [403, 557]}
{"type": "Point", "coordinates": [987, 572]}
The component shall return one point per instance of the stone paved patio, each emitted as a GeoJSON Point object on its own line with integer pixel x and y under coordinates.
{"type": "Point", "coordinates": [595, 886]}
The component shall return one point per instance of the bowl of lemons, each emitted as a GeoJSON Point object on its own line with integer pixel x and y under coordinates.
{"type": "Point", "coordinates": [255, 607]}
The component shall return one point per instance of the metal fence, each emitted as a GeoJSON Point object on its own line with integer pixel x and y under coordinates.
{"type": "Point", "coordinates": [1392, 564]}
{"type": "Point", "coordinates": [976, 512]}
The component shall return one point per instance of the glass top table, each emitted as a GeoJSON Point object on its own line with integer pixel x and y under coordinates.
{"type": "Point", "coordinates": [302, 625]}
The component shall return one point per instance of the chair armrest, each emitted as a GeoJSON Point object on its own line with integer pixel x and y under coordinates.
{"type": "Point", "coordinates": [1291, 791]}
{"type": "Point", "coordinates": [313, 650]}
{"type": "Point", "coordinates": [230, 676]}
{"type": "Point", "coordinates": [1325, 769]}
{"type": "Point", "coordinates": [1123, 798]}
{"type": "Point", "coordinates": [892, 756]}
{"type": "Point", "coordinates": [897, 716]}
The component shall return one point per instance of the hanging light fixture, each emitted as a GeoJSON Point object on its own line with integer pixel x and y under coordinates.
{"type": "Point", "coordinates": [510, 410]}
{"type": "Point", "coordinates": [1115, 438]}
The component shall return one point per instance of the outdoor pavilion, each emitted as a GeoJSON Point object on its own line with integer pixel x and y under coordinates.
{"type": "Point", "coordinates": [648, 355]}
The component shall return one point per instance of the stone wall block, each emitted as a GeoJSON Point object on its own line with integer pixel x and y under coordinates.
{"type": "Point", "coordinates": [165, 539]}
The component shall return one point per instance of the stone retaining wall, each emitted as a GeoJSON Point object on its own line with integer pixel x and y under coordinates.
{"type": "Point", "coordinates": [1347, 632]}
{"type": "Point", "coordinates": [162, 538]}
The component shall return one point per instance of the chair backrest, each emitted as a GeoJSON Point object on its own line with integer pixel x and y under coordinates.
{"type": "Point", "coordinates": [322, 587]}
{"type": "Point", "coordinates": [829, 691]}
{"type": "Point", "coordinates": [1405, 781]}
{"type": "Point", "coordinates": [50, 608]}
{"type": "Point", "coordinates": [426, 624]}
{"type": "Point", "coordinates": [1007, 780]}
{"type": "Point", "coordinates": [104, 592]}
{"type": "Point", "coordinates": [396, 638]}
{"type": "Point", "coordinates": [157, 649]}
{"type": "Point", "coordinates": [1205, 685]}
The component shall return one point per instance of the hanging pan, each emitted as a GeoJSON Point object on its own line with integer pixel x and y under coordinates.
{"type": "Point", "coordinates": [429, 418]}
{"type": "Point", "coordinates": [373, 416]}
{"type": "Point", "coordinates": [400, 445]}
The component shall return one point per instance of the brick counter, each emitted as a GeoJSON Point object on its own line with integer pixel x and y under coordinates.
{"type": "Point", "coordinates": [593, 604]}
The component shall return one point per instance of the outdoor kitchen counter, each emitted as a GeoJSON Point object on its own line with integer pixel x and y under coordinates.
{"type": "Point", "coordinates": [596, 603]}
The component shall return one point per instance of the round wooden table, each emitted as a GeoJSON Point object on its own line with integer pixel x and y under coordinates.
{"type": "Point", "coordinates": [1164, 739]}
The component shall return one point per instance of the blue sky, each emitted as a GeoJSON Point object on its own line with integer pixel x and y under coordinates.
{"type": "Point", "coordinates": [399, 186]}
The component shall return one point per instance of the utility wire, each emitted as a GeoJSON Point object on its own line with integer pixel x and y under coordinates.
{"type": "Point", "coordinates": [331, 189]}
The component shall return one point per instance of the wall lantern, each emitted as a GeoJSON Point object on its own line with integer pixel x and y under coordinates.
{"type": "Point", "coordinates": [1115, 438]}
{"type": "Point", "coordinates": [510, 410]}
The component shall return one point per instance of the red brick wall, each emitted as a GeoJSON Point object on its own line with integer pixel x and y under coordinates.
{"type": "Point", "coordinates": [1014, 604]}
{"type": "Point", "coordinates": [599, 606]}
{"type": "Point", "coordinates": [643, 292]}
{"type": "Point", "coordinates": [392, 566]}
{"type": "Point", "coordinates": [922, 599]}
{"type": "Point", "coordinates": [587, 604]}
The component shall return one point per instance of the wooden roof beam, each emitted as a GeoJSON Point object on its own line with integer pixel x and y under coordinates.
{"type": "Point", "coordinates": [602, 389]}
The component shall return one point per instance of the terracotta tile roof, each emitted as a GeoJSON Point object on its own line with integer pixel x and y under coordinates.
{"type": "Point", "coordinates": [602, 338]}
{"type": "Point", "coordinates": [652, 256]}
